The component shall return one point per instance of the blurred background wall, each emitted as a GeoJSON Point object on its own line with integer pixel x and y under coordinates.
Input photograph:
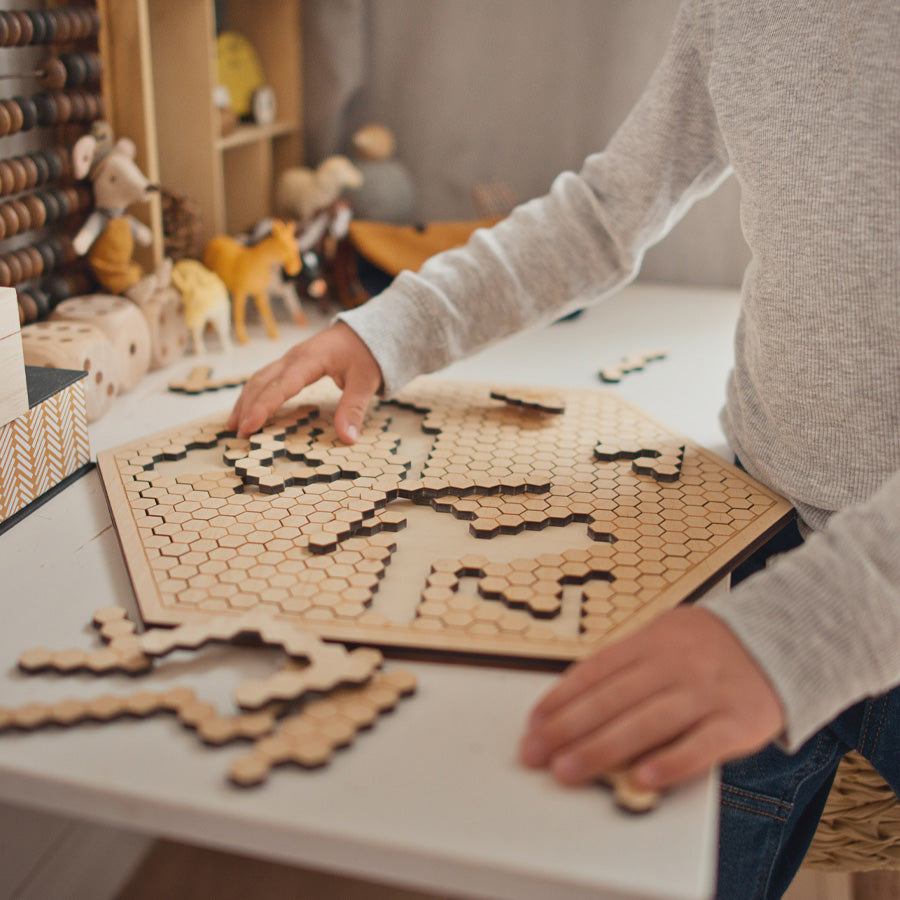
{"type": "Point", "coordinates": [513, 91]}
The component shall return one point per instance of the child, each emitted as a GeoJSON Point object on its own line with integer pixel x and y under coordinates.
{"type": "Point", "coordinates": [798, 99]}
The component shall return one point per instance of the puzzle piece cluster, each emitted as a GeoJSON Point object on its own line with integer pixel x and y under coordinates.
{"type": "Point", "coordinates": [348, 678]}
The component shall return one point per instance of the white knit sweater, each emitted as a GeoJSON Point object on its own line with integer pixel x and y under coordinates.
{"type": "Point", "coordinates": [800, 100]}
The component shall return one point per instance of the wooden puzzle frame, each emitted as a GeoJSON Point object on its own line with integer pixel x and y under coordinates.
{"type": "Point", "coordinates": [535, 529]}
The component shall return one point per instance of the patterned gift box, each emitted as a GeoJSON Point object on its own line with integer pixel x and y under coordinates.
{"type": "Point", "coordinates": [48, 443]}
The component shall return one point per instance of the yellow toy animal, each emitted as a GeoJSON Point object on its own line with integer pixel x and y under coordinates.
{"type": "Point", "coordinates": [205, 300]}
{"type": "Point", "coordinates": [246, 271]}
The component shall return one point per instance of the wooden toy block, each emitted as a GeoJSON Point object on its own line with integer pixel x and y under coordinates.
{"type": "Point", "coordinates": [13, 388]}
{"type": "Point", "coordinates": [200, 380]}
{"type": "Point", "coordinates": [76, 345]}
{"type": "Point", "coordinates": [634, 362]}
{"type": "Point", "coordinates": [47, 444]}
{"type": "Point", "coordinates": [310, 738]}
{"type": "Point", "coordinates": [124, 326]}
{"type": "Point", "coordinates": [555, 532]}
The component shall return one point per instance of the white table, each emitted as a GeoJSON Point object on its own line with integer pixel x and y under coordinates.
{"type": "Point", "coordinates": [433, 796]}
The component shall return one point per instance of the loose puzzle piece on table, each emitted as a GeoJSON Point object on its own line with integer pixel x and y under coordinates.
{"type": "Point", "coordinates": [634, 362]}
{"type": "Point", "coordinates": [349, 692]}
{"type": "Point", "coordinates": [456, 523]}
{"type": "Point", "coordinates": [200, 379]}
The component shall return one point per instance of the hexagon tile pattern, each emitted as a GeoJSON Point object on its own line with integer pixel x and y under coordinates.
{"type": "Point", "coordinates": [295, 523]}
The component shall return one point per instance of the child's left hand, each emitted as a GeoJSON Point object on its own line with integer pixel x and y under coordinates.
{"type": "Point", "coordinates": [666, 703]}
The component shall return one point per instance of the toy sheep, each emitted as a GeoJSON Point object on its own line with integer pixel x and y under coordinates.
{"type": "Point", "coordinates": [302, 192]}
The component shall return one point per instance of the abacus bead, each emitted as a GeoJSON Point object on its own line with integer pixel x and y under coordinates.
{"type": "Point", "coordinates": [26, 264]}
{"type": "Point", "coordinates": [29, 112]}
{"type": "Point", "coordinates": [66, 25]}
{"type": "Point", "coordinates": [46, 108]}
{"type": "Point", "coordinates": [50, 27]}
{"type": "Point", "coordinates": [13, 29]}
{"type": "Point", "coordinates": [42, 301]}
{"type": "Point", "coordinates": [28, 306]}
{"type": "Point", "coordinates": [76, 69]}
{"type": "Point", "coordinates": [47, 255]}
{"type": "Point", "coordinates": [15, 115]}
{"type": "Point", "coordinates": [27, 35]}
{"type": "Point", "coordinates": [54, 74]}
{"type": "Point", "coordinates": [36, 210]}
{"type": "Point", "coordinates": [15, 268]}
{"type": "Point", "coordinates": [57, 162]}
{"type": "Point", "coordinates": [10, 219]}
{"type": "Point", "coordinates": [51, 204]}
{"type": "Point", "coordinates": [20, 174]}
{"type": "Point", "coordinates": [22, 214]}
{"type": "Point", "coordinates": [5, 274]}
{"type": "Point", "coordinates": [78, 111]}
{"type": "Point", "coordinates": [4, 30]}
{"type": "Point", "coordinates": [7, 178]}
{"type": "Point", "coordinates": [5, 121]}
{"type": "Point", "coordinates": [38, 26]}
{"type": "Point", "coordinates": [37, 261]}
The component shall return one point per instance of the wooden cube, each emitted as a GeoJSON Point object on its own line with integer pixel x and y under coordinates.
{"type": "Point", "coordinates": [13, 390]}
{"type": "Point", "coordinates": [48, 443]}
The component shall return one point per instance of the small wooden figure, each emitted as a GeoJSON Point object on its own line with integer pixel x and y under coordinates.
{"type": "Point", "coordinates": [205, 299]}
{"type": "Point", "coordinates": [246, 271]}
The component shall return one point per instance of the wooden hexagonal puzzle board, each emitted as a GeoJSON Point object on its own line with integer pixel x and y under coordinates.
{"type": "Point", "coordinates": [486, 520]}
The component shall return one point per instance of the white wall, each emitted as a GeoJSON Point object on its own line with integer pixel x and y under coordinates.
{"type": "Point", "coordinates": [502, 90]}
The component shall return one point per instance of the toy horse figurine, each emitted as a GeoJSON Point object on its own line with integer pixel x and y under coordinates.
{"type": "Point", "coordinates": [247, 271]}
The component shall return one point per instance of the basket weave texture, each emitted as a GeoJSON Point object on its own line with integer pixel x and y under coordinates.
{"type": "Point", "coordinates": [860, 828]}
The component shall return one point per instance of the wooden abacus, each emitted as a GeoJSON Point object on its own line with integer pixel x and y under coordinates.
{"type": "Point", "coordinates": [56, 100]}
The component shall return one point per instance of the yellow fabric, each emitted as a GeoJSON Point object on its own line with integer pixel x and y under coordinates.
{"type": "Point", "coordinates": [110, 257]}
{"type": "Point", "coordinates": [393, 248]}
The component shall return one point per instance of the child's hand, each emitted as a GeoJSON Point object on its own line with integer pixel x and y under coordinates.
{"type": "Point", "coordinates": [668, 702]}
{"type": "Point", "coordinates": [337, 352]}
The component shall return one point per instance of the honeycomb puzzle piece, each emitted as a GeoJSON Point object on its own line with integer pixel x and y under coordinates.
{"type": "Point", "coordinates": [200, 380]}
{"type": "Point", "coordinates": [634, 362]}
{"type": "Point", "coordinates": [310, 738]}
{"type": "Point", "coordinates": [539, 401]}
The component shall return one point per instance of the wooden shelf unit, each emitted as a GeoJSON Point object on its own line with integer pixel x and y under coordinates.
{"type": "Point", "coordinates": [162, 74]}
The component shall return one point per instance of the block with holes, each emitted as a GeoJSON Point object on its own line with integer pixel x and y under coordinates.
{"type": "Point", "coordinates": [468, 518]}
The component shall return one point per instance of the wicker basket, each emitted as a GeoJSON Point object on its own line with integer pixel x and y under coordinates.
{"type": "Point", "coordinates": [860, 828]}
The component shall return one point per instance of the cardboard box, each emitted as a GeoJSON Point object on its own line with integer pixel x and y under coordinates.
{"type": "Point", "coordinates": [46, 445]}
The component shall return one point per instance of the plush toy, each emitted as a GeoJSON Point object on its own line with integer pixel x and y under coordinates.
{"type": "Point", "coordinates": [109, 235]}
{"type": "Point", "coordinates": [205, 299]}
{"type": "Point", "coordinates": [301, 193]}
{"type": "Point", "coordinates": [387, 193]}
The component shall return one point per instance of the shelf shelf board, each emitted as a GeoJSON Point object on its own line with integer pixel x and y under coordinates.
{"type": "Point", "coordinates": [250, 134]}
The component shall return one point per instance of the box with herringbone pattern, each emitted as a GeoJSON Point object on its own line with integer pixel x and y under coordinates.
{"type": "Point", "coordinates": [48, 443]}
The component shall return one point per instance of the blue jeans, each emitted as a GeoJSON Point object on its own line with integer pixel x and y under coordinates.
{"type": "Point", "coordinates": [772, 801]}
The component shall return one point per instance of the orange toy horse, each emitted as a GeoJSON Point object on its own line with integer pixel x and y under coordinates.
{"type": "Point", "coordinates": [246, 271]}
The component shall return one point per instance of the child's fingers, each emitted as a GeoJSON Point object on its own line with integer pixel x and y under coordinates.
{"type": "Point", "coordinates": [649, 725]}
{"type": "Point", "coordinates": [358, 390]}
{"type": "Point", "coordinates": [271, 387]}
{"type": "Point", "coordinates": [587, 712]}
{"type": "Point", "coordinates": [693, 753]}
{"type": "Point", "coordinates": [582, 677]}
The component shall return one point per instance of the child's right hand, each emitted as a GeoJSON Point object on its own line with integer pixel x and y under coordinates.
{"type": "Point", "coordinates": [337, 352]}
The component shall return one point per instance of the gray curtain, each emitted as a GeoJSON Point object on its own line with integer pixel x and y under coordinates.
{"type": "Point", "coordinates": [513, 91]}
